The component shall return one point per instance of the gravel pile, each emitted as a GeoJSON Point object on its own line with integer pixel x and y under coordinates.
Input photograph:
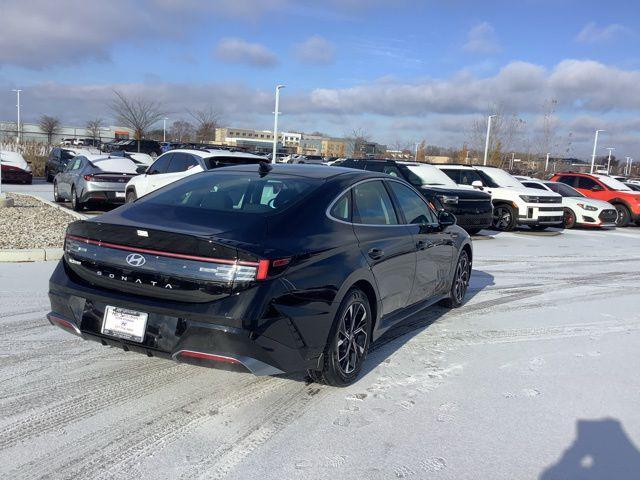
{"type": "Point", "coordinates": [32, 224]}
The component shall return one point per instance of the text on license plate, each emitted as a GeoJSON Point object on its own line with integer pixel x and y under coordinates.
{"type": "Point", "coordinates": [124, 323]}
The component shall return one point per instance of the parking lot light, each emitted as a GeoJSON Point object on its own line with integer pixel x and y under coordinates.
{"type": "Point", "coordinates": [275, 123]}
{"type": "Point", "coordinates": [609, 159]}
{"type": "Point", "coordinates": [18, 107]}
{"type": "Point", "coordinates": [486, 145]}
{"type": "Point", "coordinates": [595, 147]}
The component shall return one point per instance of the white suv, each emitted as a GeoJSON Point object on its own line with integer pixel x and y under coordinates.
{"type": "Point", "coordinates": [513, 203]}
{"type": "Point", "coordinates": [176, 164]}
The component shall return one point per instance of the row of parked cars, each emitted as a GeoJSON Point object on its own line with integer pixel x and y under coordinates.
{"type": "Point", "coordinates": [272, 268]}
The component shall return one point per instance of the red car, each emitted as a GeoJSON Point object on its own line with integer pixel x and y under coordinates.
{"type": "Point", "coordinates": [604, 187]}
{"type": "Point", "coordinates": [14, 168]}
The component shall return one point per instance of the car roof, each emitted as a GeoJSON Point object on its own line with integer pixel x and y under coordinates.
{"type": "Point", "coordinates": [215, 153]}
{"type": "Point", "coordinates": [307, 170]}
{"type": "Point", "coordinates": [453, 165]}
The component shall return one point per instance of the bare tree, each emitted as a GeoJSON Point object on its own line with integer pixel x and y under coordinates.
{"type": "Point", "coordinates": [548, 141]}
{"type": "Point", "coordinates": [181, 130]}
{"type": "Point", "coordinates": [93, 127]}
{"type": "Point", "coordinates": [136, 113]}
{"type": "Point", "coordinates": [50, 126]}
{"type": "Point", "coordinates": [207, 120]}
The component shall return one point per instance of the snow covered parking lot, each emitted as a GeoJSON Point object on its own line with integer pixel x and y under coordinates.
{"type": "Point", "coordinates": [535, 377]}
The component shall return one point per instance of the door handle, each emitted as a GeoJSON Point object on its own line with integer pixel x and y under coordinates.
{"type": "Point", "coordinates": [422, 245]}
{"type": "Point", "coordinates": [376, 253]}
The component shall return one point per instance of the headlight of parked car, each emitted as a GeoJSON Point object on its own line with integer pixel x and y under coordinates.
{"type": "Point", "coordinates": [530, 199]}
{"type": "Point", "coordinates": [587, 207]}
{"type": "Point", "coordinates": [452, 199]}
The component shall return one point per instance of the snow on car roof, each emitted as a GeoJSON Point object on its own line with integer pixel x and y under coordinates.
{"type": "Point", "coordinates": [216, 152]}
{"type": "Point", "coordinates": [13, 158]}
{"type": "Point", "coordinates": [115, 164]}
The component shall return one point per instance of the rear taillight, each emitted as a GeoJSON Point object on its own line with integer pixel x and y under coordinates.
{"type": "Point", "coordinates": [206, 356]}
{"type": "Point", "coordinates": [269, 268]}
{"type": "Point", "coordinates": [88, 178]}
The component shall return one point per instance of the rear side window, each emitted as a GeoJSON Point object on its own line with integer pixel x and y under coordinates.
{"type": "Point", "coordinates": [181, 162]}
{"type": "Point", "coordinates": [341, 210]}
{"type": "Point", "coordinates": [235, 192]}
{"type": "Point", "coordinates": [586, 183]}
{"type": "Point", "coordinates": [384, 168]}
{"type": "Point", "coordinates": [372, 205]}
{"type": "Point", "coordinates": [414, 208]}
{"type": "Point", "coordinates": [568, 180]}
{"type": "Point", "coordinates": [453, 175]}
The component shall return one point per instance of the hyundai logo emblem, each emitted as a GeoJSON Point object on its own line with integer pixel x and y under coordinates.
{"type": "Point", "coordinates": [136, 260]}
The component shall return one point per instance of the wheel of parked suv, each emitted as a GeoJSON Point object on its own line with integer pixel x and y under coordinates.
{"type": "Point", "coordinates": [76, 204]}
{"type": "Point", "coordinates": [348, 342]}
{"type": "Point", "coordinates": [569, 218]}
{"type": "Point", "coordinates": [460, 282]}
{"type": "Point", "coordinates": [131, 196]}
{"type": "Point", "coordinates": [504, 218]}
{"type": "Point", "coordinates": [624, 217]}
{"type": "Point", "coordinates": [56, 195]}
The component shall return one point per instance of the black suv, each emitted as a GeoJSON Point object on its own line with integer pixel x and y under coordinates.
{"type": "Point", "coordinates": [473, 209]}
{"type": "Point", "coordinates": [150, 147]}
{"type": "Point", "coordinates": [57, 161]}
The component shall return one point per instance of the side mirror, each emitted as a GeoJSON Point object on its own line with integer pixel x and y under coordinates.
{"type": "Point", "coordinates": [141, 169]}
{"type": "Point", "coordinates": [446, 219]}
{"type": "Point", "coordinates": [477, 184]}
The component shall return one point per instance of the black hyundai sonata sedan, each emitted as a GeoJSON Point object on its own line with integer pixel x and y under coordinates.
{"type": "Point", "coordinates": [267, 269]}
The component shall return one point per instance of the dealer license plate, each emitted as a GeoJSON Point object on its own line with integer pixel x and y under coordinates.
{"type": "Point", "coordinates": [124, 323]}
{"type": "Point", "coordinates": [119, 194]}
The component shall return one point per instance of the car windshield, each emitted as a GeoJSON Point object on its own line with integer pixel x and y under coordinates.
{"type": "Point", "coordinates": [502, 178]}
{"type": "Point", "coordinates": [563, 189]}
{"type": "Point", "coordinates": [419, 175]}
{"type": "Point", "coordinates": [614, 184]}
{"type": "Point", "coordinates": [235, 192]}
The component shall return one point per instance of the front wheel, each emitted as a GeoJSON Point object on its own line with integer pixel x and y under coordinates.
{"type": "Point", "coordinates": [460, 282]}
{"type": "Point", "coordinates": [569, 218]}
{"type": "Point", "coordinates": [624, 216]}
{"type": "Point", "coordinates": [131, 197]}
{"type": "Point", "coordinates": [348, 342]}
{"type": "Point", "coordinates": [504, 218]}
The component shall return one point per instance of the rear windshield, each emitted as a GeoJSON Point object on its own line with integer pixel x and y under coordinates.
{"type": "Point", "coordinates": [234, 192]}
{"type": "Point", "coordinates": [220, 161]}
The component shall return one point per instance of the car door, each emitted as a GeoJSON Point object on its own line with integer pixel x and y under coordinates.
{"type": "Point", "coordinates": [385, 242]}
{"type": "Point", "coordinates": [434, 245]}
{"type": "Point", "coordinates": [65, 178]}
{"type": "Point", "coordinates": [591, 188]}
{"type": "Point", "coordinates": [154, 174]}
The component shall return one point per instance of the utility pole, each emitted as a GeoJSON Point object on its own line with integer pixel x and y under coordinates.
{"type": "Point", "coordinates": [275, 124]}
{"type": "Point", "coordinates": [626, 165]}
{"type": "Point", "coordinates": [546, 163]}
{"type": "Point", "coordinates": [609, 160]}
{"type": "Point", "coordinates": [415, 158]}
{"type": "Point", "coordinates": [513, 155]}
{"type": "Point", "coordinates": [18, 107]}
{"type": "Point", "coordinates": [486, 145]}
{"type": "Point", "coordinates": [595, 146]}
{"type": "Point", "coordinates": [164, 129]}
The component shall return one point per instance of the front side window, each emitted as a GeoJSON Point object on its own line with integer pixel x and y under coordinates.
{"type": "Point", "coordinates": [564, 190]}
{"type": "Point", "coordinates": [587, 183]}
{"type": "Point", "coordinates": [372, 205]}
{"type": "Point", "coordinates": [161, 165]}
{"type": "Point", "coordinates": [414, 208]}
{"type": "Point", "coordinates": [181, 162]}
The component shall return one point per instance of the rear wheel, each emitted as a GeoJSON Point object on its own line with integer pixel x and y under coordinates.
{"type": "Point", "coordinates": [348, 342]}
{"type": "Point", "coordinates": [460, 282]}
{"type": "Point", "coordinates": [624, 216]}
{"type": "Point", "coordinates": [569, 218]}
{"type": "Point", "coordinates": [56, 194]}
{"type": "Point", "coordinates": [504, 218]}
{"type": "Point", "coordinates": [76, 204]}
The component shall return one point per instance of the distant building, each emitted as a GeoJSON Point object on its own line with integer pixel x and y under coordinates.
{"type": "Point", "coordinates": [259, 139]}
{"type": "Point", "coordinates": [31, 132]}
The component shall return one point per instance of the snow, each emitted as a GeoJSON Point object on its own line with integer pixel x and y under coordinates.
{"type": "Point", "coordinates": [536, 376]}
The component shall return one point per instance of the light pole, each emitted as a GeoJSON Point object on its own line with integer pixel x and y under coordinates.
{"type": "Point", "coordinates": [513, 155]}
{"type": "Point", "coordinates": [609, 159]}
{"type": "Point", "coordinates": [546, 162]}
{"type": "Point", "coordinates": [164, 129]}
{"type": "Point", "coordinates": [630, 166]}
{"type": "Point", "coordinates": [415, 158]}
{"type": "Point", "coordinates": [18, 107]}
{"type": "Point", "coordinates": [486, 145]}
{"type": "Point", "coordinates": [595, 146]}
{"type": "Point", "coordinates": [275, 124]}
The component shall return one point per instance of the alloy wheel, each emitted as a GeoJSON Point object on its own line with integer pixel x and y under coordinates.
{"type": "Point", "coordinates": [501, 218]}
{"type": "Point", "coordinates": [352, 337]}
{"type": "Point", "coordinates": [461, 281]}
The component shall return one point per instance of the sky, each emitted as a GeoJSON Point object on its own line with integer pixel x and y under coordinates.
{"type": "Point", "coordinates": [403, 70]}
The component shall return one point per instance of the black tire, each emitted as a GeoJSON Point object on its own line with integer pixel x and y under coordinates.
{"type": "Point", "coordinates": [569, 218]}
{"type": "Point", "coordinates": [460, 283]}
{"type": "Point", "coordinates": [538, 228]}
{"type": "Point", "coordinates": [351, 327]}
{"type": "Point", "coordinates": [504, 218]}
{"type": "Point", "coordinates": [56, 196]}
{"type": "Point", "coordinates": [76, 204]}
{"type": "Point", "coordinates": [47, 176]}
{"type": "Point", "coordinates": [624, 216]}
{"type": "Point", "coordinates": [131, 197]}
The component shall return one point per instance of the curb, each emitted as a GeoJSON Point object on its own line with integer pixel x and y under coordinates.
{"type": "Point", "coordinates": [31, 254]}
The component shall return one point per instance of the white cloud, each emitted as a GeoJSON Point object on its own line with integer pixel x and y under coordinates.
{"type": "Point", "coordinates": [237, 50]}
{"type": "Point", "coordinates": [482, 38]}
{"type": "Point", "coordinates": [591, 33]}
{"type": "Point", "coordinates": [315, 50]}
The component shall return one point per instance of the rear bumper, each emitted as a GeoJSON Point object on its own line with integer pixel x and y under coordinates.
{"type": "Point", "coordinates": [199, 334]}
{"type": "Point", "coordinates": [105, 195]}
{"type": "Point", "coordinates": [16, 176]}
